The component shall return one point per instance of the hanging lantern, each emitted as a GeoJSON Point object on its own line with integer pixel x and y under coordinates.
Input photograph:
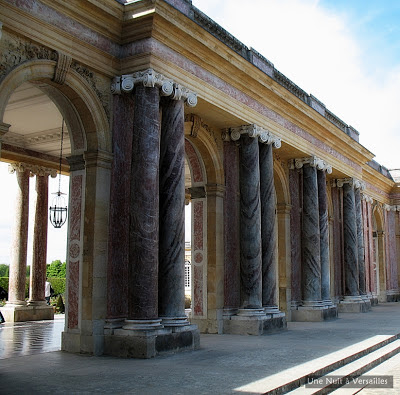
{"type": "Point", "coordinates": [58, 209]}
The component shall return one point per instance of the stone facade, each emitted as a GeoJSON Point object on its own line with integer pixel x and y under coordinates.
{"type": "Point", "coordinates": [291, 217]}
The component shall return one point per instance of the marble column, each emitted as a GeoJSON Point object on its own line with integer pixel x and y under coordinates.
{"type": "Point", "coordinates": [311, 256]}
{"type": "Point", "coordinates": [144, 212]}
{"type": "Point", "coordinates": [268, 230]}
{"type": "Point", "coordinates": [171, 290]}
{"type": "Point", "coordinates": [16, 289]}
{"type": "Point", "coordinates": [360, 244]}
{"type": "Point", "coordinates": [351, 271]}
{"type": "Point", "coordinates": [324, 238]}
{"type": "Point", "coordinates": [250, 226]}
{"type": "Point", "coordinates": [38, 269]}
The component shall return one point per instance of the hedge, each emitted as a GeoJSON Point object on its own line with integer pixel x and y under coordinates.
{"type": "Point", "coordinates": [58, 285]}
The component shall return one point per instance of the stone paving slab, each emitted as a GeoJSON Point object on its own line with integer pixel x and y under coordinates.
{"type": "Point", "coordinates": [223, 365]}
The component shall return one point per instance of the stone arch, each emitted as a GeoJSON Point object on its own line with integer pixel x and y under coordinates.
{"type": "Point", "coordinates": [90, 165]}
{"type": "Point", "coordinates": [77, 93]}
{"type": "Point", "coordinates": [379, 247]}
{"type": "Point", "coordinates": [283, 207]}
{"type": "Point", "coordinates": [207, 214]}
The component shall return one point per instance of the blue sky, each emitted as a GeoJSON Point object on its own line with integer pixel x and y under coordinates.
{"type": "Point", "coordinates": [344, 52]}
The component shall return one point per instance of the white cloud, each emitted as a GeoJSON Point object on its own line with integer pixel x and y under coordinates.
{"type": "Point", "coordinates": [319, 52]}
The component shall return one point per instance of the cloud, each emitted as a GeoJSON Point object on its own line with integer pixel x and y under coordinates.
{"type": "Point", "coordinates": [318, 50]}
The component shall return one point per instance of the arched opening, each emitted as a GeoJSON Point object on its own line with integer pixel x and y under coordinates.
{"type": "Point", "coordinates": [36, 142]}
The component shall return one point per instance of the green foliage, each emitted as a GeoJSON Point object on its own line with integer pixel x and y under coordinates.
{"type": "Point", "coordinates": [28, 271]}
{"type": "Point", "coordinates": [60, 308]}
{"type": "Point", "coordinates": [4, 270]}
{"type": "Point", "coordinates": [4, 282]}
{"type": "Point", "coordinates": [58, 284]}
{"type": "Point", "coordinates": [56, 269]}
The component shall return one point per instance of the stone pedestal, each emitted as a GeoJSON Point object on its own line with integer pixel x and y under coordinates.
{"type": "Point", "coordinates": [353, 304]}
{"type": "Point", "coordinates": [314, 314]}
{"type": "Point", "coordinates": [150, 343]}
{"type": "Point", "coordinates": [254, 324]}
{"type": "Point", "coordinates": [18, 313]}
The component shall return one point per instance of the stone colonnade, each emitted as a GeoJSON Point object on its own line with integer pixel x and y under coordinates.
{"type": "Point", "coordinates": [17, 309]}
{"type": "Point", "coordinates": [155, 320]}
{"type": "Point", "coordinates": [314, 301]}
{"type": "Point", "coordinates": [257, 310]}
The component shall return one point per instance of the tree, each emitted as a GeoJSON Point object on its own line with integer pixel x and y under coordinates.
{"type": "Point", "coordinates": [56, 269]}
{"type": "Point", "coordinates": [4, 270]}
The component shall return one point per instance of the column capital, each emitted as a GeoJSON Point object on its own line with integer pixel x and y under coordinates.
{"type": "Point", "coordinates": [253, 130]}
{"type": "Point", "coordinates": [150, 78]}
{"type": "Point", "coordinates": [33, 169]}
{"type": "Point", "coordinates": [388, 207]}
{"type": "Point", "coordinates": [353, 182]}
{"type": "Point", "coordinates": [313, 161]}
{"type": "Point", "coordinates": [367, 198]}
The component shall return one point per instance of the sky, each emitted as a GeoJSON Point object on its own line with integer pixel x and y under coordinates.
{"type": "Point", "coordinates": [344, 52]}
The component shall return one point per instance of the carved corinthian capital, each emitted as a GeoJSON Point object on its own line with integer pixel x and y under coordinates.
{"type": "Point", "coordinates": [151, 79]}
{"type": "Point", "coordinates": [33, 169]}
{"type": "Point", "coordinates": [353, 182]}
{"type": "Point", "coordinates": [313, 161]}
{"type": "Point", "coordinates": [264, 136]}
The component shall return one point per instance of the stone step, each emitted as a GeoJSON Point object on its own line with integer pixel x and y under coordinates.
{"type": "Point", "coordinates": [293, 378]}
{"type": "Point", "coordinates": [351, 370]}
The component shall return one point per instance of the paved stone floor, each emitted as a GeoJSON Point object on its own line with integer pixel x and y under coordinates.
{"type": "Point", "coordinates": [225, 364]}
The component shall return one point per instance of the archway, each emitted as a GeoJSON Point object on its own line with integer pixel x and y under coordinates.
{"type": "Point", "coordinates": [378, 257]}
{"type": "Point", "coordinates": [89, 168]}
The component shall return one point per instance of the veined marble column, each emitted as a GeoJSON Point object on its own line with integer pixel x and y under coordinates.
{"type": "Point", "coordinates": [171, 290]}
{"type": "Point", "coordinates": [250, 227]}
{"type": "Point", "coordinates": [311, 255]}
{"type": "Point", "coordinates": [360, 244]}
{"type": "Point", "coordinates": [144, 212]}
{"type": "Point", "coordinates": [16, 293]}
{"type": "Point", "coordinates": [38, 269]}
{"type": "Point", "coordinates": [324, 238]}
{"type": "Point", "coordinates": [268, 230]}
{"type": "Point", "coordinates": [352, 300]}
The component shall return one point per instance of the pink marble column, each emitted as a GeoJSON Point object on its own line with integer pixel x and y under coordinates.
{"type": "Point", "coordinates": [144, 212]}
{"type": "Point", "coordinates": [372, 258]}
{"type": "Point", "coordinates": [38, 269]}
{"type": "Point", "coordinates": [118, 255]}
{"type": "Point", "coordinates": [231, 228]}
{"type": "Point", "coordinates": [16, 289]}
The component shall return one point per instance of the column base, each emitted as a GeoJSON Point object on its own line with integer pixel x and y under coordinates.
{"type": "Point", "coordinates": [134, 343]}
{"type": "Point", "coordinates": [21, 313]}
{"type": "Point", "coordinates": [314, 314]}
{"type": "Point", "coordinates": [367, 301]}
{"type": "Point", "coordinates": [112, 324]}
{"type": "Point", "coordinates": [392, 296]}
{"type": "Point", "coordinates": [254, 324]}
{"type": "Point", "coordinates": [354, 304]}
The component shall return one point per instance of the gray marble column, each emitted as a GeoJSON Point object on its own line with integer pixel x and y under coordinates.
{"type": "Point", "coordinates": [250, 224]}
{"type": "Point", "coordinates": [144, 212]}
{"type": "Point", "coordinates": [324, 238]}
{"type": "Point", "coordinates": [311, 256]}
{"type": "Point", "coordinates": [351, 271]}
{"type": "Point", "coordinates": [171, 290]}
{"type": "Point", "coordinates": [16, 289]}
{"type": "Point", "coordinates": [360, 242]}
{"type": "Point", "coordinates": [268, 230]}
{"type": "Point", "coordinates": [38, 269]}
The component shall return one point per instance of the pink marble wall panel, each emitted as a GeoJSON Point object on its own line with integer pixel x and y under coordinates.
{"type": "Point", "coordinates": [74, 248]}
{"type": "Point", "coordinates": [392, 261]}
{"type": "Point", "coordinates": [198, 256]}
{"type": "Point", "coordinates": [195, 166]}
